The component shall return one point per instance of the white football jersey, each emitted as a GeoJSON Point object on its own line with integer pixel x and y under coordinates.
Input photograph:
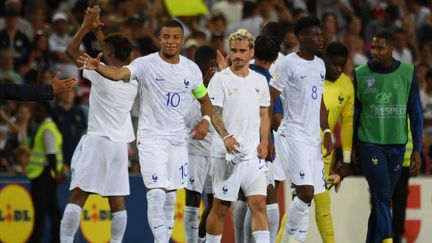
{"type": "Point", "coordinates": [110, 106]}
{"type": "Point", "coordinates": [198, 147]}
{"type": "Point", "coordinates": [301, 83]}
{"type": "Point", "coordinates": [241, 99]}
{"type": "Point", "coordinates": [165, 96]}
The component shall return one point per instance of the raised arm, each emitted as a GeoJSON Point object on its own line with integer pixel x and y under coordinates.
{"type": "Point", "coordinates": [91, 21]}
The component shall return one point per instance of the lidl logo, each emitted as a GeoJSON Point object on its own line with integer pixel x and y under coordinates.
{"type": "Point", "coordinates": [96, 219]}
{"type": "Point", "coordinates": [16, 214]}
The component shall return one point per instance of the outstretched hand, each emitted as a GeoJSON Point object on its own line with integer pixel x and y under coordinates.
{"type": "Point", "coordinates": [89, 63]}
{"type": "Point", "coordinates": [62, 85]}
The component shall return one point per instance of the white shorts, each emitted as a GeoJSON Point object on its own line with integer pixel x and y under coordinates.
{"type": "Point", "coordinates": [270, 173]}
{"type": "Point", "coordinates": [100, 166]}
{"type": "Point", "coordinates": [163, 165]}
{"type": "Point", "coordinates": [200, 178]}
{"type": "Point", "coordinates": [299, 163]}
{"type": "Point", "coordinates": [249, 175]}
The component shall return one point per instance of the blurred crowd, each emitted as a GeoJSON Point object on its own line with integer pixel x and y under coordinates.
{"type": "Point", "coordinates": [35, 33]}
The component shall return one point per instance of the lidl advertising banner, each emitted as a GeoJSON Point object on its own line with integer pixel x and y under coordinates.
{"type": "Point", "coordinates": [350, 209]}
{"type": "Point", "coordinates": [16, 214]}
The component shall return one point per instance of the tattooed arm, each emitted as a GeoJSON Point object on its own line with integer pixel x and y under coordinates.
{"type": "Point", "coordinates": [229, 140]}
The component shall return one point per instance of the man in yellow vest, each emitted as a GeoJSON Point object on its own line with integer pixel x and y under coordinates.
{"type": "Point", "coordinates": [45, 170]}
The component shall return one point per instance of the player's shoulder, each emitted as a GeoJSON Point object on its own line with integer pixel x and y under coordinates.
{"type": "Point", "coordinates": [257, 76]}
{"type": "Point", "coordinates": [345, 80]}
{"type": "Point", "coordinates": [147, 59]}
{"type": "Point", "coordinates": [188, 63]}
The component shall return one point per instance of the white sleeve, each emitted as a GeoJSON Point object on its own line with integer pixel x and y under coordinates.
{"type": "Point", "coordinates": [279, 78]}
{"type": "Point", "coordinates": [265, 94]}
{"type": "Point", "coordinates": [216, 91]}
{"type": "Point", "coordinates": [197, 77]}
{"type": "Point", "coordinates": [49, 142]}
{"type": "Point", "coordinates": [88, 74]}
{"type": "Point", "coordinates": [137, 69]}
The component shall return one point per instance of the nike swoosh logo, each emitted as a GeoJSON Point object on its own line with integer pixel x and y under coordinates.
{"type": "Point", "coordinates": [212, 98]}
{"type": "Point", "coordinates": [302, 231]}
{"type": "Point", "coordinates": [302, 77]}
{"type": "Point", "coordinates": [160, 79]}
{"type": "Point", "coordinates": [260, 167]}
{"type": "Point", "coordinates": [293, 229]}
{"type": "Point", "coordinates": [194, 227]}
{"type": "Point", "coordinates": [157, 227]}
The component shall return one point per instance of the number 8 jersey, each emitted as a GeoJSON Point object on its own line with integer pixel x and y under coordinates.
{"type": "Point", "coordinates": [165, 96]}
{"type": "Point", "coordinates": [301, 84]}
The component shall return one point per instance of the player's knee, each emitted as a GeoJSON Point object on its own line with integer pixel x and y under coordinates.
{"type": "Point", "coordinates": [220, 208]}
{"type": "Point", "coordinates": [271, 195]}
{"type": "Point", "coordinates": [257, 205]}
{"type": "Point", "coordinates": [305, 193]}
{"type": "Point", "coordinates": [116, 204]}
{"type": "Point", "coordinates": [78, 197]}
{"type": "Point", "coordinates": [193, 199]}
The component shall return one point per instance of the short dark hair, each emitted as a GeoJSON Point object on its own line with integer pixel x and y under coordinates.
{"type": "Point", "coordinates": [387, 36]}
{"type": "Point", "coordinates": [172, 24]}
{"type": "Point", "coordinates": [336, 49]}
{"type": "Point", "coordinates": [274, 30]}
{"type": "Point", "coordinates": [266, 48]}
{"type": "Point", "coordinates": [304, 23]}
{"type": "Point", "coordinates": [120, 46]}
{"type": "Point", "coordinates": [204, 54]}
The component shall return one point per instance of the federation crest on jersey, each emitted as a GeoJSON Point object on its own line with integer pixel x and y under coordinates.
{"type": "Point", "coordinates": [370, 82]}
{"type": "Point", "coordinates": [275, 76]}
{"type": "Point", "coordinates": [186, 83]}
{"type": "Point", "coordinates": [341, 98]}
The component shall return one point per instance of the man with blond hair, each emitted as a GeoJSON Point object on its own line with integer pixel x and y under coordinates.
{"type": "Point", "coordinates": [240, 99]}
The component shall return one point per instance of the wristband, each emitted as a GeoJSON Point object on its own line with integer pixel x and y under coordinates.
{"type": "Point", "coordinates": [206, 117]}
{"type": "Point", "coordinates": [227, 136]}
{"type": "Point", "coordinates": [347, 157]}
{"type": "Point", "coordinates": [327, 130]}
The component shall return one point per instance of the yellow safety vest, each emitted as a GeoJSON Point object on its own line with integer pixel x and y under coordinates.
{"type": "Point", "coordinates": [38, 158]}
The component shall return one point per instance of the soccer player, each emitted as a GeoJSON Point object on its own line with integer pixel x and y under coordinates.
{"type": "Point", "coordinates": [168, 82]}
{"type": "Point", "coordinates": [275, 31]}
{"type": "Point", "coordinates": [387, 92]}
{"type": "Point", "coordinates": [266, 51]}
{"type": "Point", "coordinates": [199, 166]}
{"type": "Point", "coordinates": [240, 99]}
{"type": "Point", "coordinates": [300, 78]}
{"type": "Point", "coordinates": [100, 161]}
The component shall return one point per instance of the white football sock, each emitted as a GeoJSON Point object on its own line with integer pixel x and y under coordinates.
{"type": "Point", "coordinates": [261, 236]}
{"type": "Point", "coordinates": [70, 222]}
{"type": "Point", "coordinates": [190, 221]}
{"type": "Point", "coordinates": [156, 215]}
{"type": "Point", "coordinates": [273, 220]}
{"type": "Point", "coordinates": [213, 238]}
{"type": "Point", "coordinates": [298, 213]}
{"type": "Point", "coordinates": [118, 226]}
{"type": "Point", "coordinates": [169, 211]}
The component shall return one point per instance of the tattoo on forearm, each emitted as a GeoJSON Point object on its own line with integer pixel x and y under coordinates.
{"type": "Point", "coordinates": [217, 121]}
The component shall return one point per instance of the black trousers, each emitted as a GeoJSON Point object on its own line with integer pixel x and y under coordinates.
{"type": "Point", "coordinates": [44, 197]}
{"type": "Point", "coordinates": [399, 204]}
